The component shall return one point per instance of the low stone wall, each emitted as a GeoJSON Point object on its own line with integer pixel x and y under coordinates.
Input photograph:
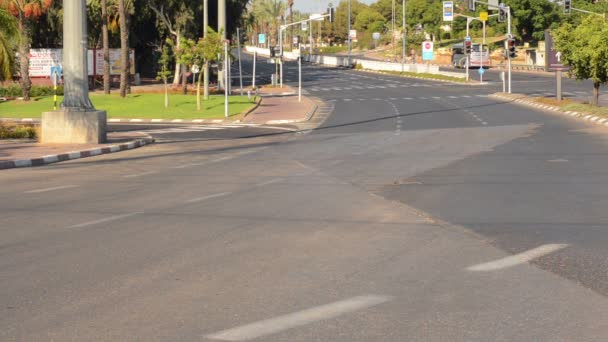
{"type": "Point", "coordinates": [364, 63]}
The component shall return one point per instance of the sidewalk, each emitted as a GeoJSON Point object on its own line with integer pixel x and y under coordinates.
{"type": "Point", "coordinates": [24, 153]}
{"type": "Point", "coordinates": [281, 106]}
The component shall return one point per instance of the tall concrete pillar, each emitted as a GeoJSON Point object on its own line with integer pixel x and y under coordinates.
{"type": "Point", "coordinates": [77, 121]}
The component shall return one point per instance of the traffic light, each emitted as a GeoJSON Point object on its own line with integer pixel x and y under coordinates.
{"type": "Point", "coordinates": [468, 47]}
{"type": "Point", "coordinates": [471, 5]}
{"type": "Point", "coordinates": [511, 47]}
{"type": "Point", "coordinates": [502, 14]}
{"type": "Point", "coordinates": [567, 6]}
{"type": "Point", "coordinates": [331, 12]}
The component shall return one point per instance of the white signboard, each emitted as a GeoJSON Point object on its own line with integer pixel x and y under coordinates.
{"type": "Point", "coordinates": [316, 16]}
{"type": "Point", "coordinates": [448, 11]}
{"type": "Point", "coordinates": [114, 62]}
{"type": "Point", "coordinates": [42, 60]}
{"type": "Point", "coordinates": [353, 34]}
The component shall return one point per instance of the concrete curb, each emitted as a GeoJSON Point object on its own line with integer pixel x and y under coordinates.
{"type": "Point", "coordinates": [524, 101]}
{"type": "Point", "coordinates": [50, 159]}
{"type": "Point", "coordinates": [419, 78]}
{"type": "Point", "coordinates": [308, 116]}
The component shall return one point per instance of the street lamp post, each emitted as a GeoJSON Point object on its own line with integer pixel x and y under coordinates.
{"type": "Point", "coordinates": [403, 50]}
{"type": "Point", "coordinates": [77, 121]}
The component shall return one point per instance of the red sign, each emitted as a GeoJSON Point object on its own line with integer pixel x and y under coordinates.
{"type": "Point", "coordinates": [427, 45]}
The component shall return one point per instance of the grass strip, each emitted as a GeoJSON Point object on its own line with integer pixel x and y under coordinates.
{"type": "Point", "coordinates": [138, 106]}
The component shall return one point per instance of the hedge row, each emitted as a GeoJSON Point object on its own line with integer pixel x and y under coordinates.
{"type": "Point", "coordinates": [36, 91]}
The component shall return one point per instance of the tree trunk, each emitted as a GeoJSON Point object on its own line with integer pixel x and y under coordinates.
{"type": "Point", "coordinates": [124, 48]}
{"type": "Point", "coordinates": [106, 47]}
{"type": "Point", "coordinates": [178, 45]}
{"type": "Point", "coordinates": [184, 79]}
{"type": "Point", "coordinates": [128, 79]}
{"type": "Point", "coordinates": [198, 93]}
{"type": "Point", "coordinates": [206, 83]}
{"type": "Point", "coordinates": [166, 93]}
{"type": "Point", "coordinates": [596, 93]}
{"type": "Point", "coordinates": [24, 58]}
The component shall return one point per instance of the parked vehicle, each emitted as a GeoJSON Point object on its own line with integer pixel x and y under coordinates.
{"type": "Point", "coordinates": [479, 56]}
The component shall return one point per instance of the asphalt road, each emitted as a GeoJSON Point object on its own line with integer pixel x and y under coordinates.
{"type": "Point", "coordinates": [417, 211]}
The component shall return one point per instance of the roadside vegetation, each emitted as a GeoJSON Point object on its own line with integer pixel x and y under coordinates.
{"type": "Point", "coordinates": [17, 131]}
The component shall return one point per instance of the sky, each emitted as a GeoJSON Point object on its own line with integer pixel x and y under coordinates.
{"type": "Point", "coordinates": [315, 5]}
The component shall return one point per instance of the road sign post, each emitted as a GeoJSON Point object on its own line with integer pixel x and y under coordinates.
{"type": "Point", "coordinates": [448, 11]}
{"type": "Point", "coordinates": [427, 51]}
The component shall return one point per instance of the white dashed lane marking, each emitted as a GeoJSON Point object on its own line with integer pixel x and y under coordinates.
{"type": "Point", "coordinates": [37, 191]}
{"type": "Point", "coordinates": [518, 259]}
{"type": "Point", "coordinates": [297, 319]}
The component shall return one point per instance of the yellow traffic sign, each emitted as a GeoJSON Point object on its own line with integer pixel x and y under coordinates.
{"type": "Point", "coordinates": [483, 16]}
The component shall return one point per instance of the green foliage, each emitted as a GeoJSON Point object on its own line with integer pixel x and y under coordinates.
{"type": "Point", "coordinates": [427, 14]}
{"type": "Point", "coordinates": [8, 36]}
{"type": "Point", "coordinates": [208, 49]}
{"type": "Point", "coordinates": [585, 49]}
{"type": "Point", "coordinates": [164, 61]}
{"type": "Point", "coordinates": [369, 20]}
{"type": "Point", "coordinates": [36, 91]}
{"type": "Point", "coordinates": [532, 17]}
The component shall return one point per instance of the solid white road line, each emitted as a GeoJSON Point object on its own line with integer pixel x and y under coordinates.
{"type": "Point", "coordinates": [204, 198]}
{"type": "Point", "coordinates": [107, 219]}
{"type": "Point", "coordinates": [272, 181]}
{"type": "Point", "coordinates": [296, 319]}
{"type": "Point", "coordinates": [518, 259]}
{"type": "Point", "coordinates": [133, 175]}
{"type": "Point", "coordinates": [37, 191]}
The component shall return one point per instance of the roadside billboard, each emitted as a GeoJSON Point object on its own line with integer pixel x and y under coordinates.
{"type": "Point", "coordinates": [43, 60]}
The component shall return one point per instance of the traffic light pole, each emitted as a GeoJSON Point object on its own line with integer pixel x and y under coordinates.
{"type": "Point", "coordinates": [509, 34]}
{"type": "Point", "coordinates": [284, 27]}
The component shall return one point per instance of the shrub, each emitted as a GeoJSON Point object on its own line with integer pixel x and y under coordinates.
{"type": "Point", "coordinates": [37, 91]}
{"type": "Point", "coordinates": [12, 131]}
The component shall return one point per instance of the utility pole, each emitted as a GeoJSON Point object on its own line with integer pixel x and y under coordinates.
{"type": "Point", "coordinates": [393, 31]}
{"type": "Point", "coordinates": [349, 40]}
{"type": "Point", "coordinates": [403, 52]}
{"type": "Point", "coordinates": [221, 28]}
{"type": "Point", "coordinates": [206, 66]}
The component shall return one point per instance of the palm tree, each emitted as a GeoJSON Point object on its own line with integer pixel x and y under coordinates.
{"type": "Point", "coordinates": [271, 11]}
{"type": "Point", "coordinates": [25, 11]}
{"type": "Point", "coordinates": [106, 46]}
{"type": "Point", "coordinates": [124, 48]}
{"type": "Point", "coordinates": [8, 32]}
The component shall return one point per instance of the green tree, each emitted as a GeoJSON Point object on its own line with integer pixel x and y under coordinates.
{"type": "Point", "coordinates": [26, 12]}
{"type": "Point", "coordinates": [585, 49]}
{"type": "Point", "coordinates": [184, 55]}
{"type": "Point", "coordinates": [8, 36]}
{"type": "Point", "coordinates": [164, 71]}
{"type": "Point", "coordinates": [206, 51]}
{"type": "Point", "coordinates": [370, 20]}
{"type": "Point", "coordinates": [175, 17]}
{"type": "Point", "coordinates": [532, 17]}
